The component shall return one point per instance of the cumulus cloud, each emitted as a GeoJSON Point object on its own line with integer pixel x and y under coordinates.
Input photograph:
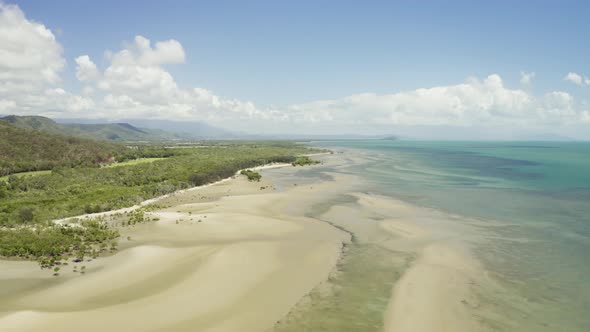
{"type": "Point", "coordinates": [166, 52]}
{"type": "Point", "coordinates": [577, 79]}
{"type": "Point", "coordinates": [136, 71]}
{"type": "Point", "coordinates": [475, 102]}
{"type": "Point", "coordinates": [526, 78]}
{"type": "Point", "coordinates": [136, 83]}
{"type": "Point", "coordinates": [28, 51]}
{"type": "Point", "coordinates": [86, 69]}
{"type": "Point", "coordinates": [31, 61]}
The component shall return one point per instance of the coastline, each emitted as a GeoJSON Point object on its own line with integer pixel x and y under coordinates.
{"type": "Point", "coordinates": [410, 274]}
{"type": "Point", "coordinates": [159, 198]}
{"type": "Point", "coordinates": [216, 273]}
{"type": "Point", "coordinates": [223, 253]}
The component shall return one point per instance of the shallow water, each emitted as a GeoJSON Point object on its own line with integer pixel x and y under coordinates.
{"type": "Point", "coordinates": [354, 299]}
{"type": "Point", "coordinates": [358, 292]}
{"type": "Point", "coordinates": [530, 205]}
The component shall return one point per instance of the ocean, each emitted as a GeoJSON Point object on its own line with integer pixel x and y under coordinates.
{"type": "Point", "coordinates": [531, 205]}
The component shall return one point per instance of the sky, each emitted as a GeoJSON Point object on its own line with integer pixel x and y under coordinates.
{"type": "Point", "coordinates": [425, 69]}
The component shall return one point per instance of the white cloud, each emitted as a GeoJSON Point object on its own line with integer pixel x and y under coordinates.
{"type": "Point", "coordinates": [576, 79]}
{"type": "Point", "coordinates": [86, 69]}
{"type": "Point", "coordinates": [30, 64]}
{"type": "Point", "coordinates": [28, 50]}
{"type": "Point", "coordinates": [526, 78]}
{"type": "Point", "coordinates": [473, 102]}
{"type": "Point", "coordinates": [136, 83]}
{"type": "Point", "coordinates": [166, 52]}
{"type": "Point", "coordinates": [88, 91]}
{"type": "Point", "coordinates": [7, 105]}
{"type": "Point", "coordinates": [137, 71]}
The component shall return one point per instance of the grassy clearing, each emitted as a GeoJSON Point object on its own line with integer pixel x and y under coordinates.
{"type": "Point", "coordinates": [32, 173]}
{"type": "Point", "coordinates": [134, 162]}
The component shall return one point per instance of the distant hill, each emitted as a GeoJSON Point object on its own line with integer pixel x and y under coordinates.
{"type": "Point", "coordinates": [101, 131]}
{"type": "Point", "coordinates": [23, 150]}
{"type": "Point", "coordinates": [181, 129]}
{"type": "Point", "coordinates": [187, 129]}
{"type": "Point", "coordinates": [34, 122]}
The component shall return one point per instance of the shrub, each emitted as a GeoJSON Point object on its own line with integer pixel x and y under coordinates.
{"type": "Point", "coordinates": [251, 175]}
{"type": "Point", "coordinates": [302, 161]}
{"type": "Point", "coordinates": [26, 214]}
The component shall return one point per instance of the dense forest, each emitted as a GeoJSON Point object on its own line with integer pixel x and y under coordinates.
{"type": "Point", "coordinates": [73, 191]}
{"type": "Point", "coordinates": [27, 150]}
{"type": "Point", "coordinates": [23, 150]}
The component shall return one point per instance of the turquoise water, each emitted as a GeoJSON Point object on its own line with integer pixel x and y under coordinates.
{"type": "Point", "coordinates": [532, 202]}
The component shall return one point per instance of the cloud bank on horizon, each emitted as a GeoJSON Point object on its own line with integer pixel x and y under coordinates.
{"type": "Point", "coordinates": [136, 84]}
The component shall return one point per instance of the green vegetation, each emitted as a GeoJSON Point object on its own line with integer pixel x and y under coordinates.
{"type": "Point", "coordinates": [251, 175]}
{"type": "Point", "coordinates": [69, 180]}
{"type": "Point", "coordinates": [31, 173]}
{"type": "Point", "coordinates": [24, 150]}
{"type": "Point", "coordinates": [74, 191]}
{"type": "Point", "coordinates": [304, 160]}
{"type": "Point", "coordinates": [50, 244]}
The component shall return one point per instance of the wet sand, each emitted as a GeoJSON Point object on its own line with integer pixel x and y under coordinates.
{"type": "Point", "coordinates": [244, 256]}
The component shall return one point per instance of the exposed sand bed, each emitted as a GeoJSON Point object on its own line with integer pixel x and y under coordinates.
{"type": "Point", "coordinates": [434, 294]}
{"type": "Point", "coordinates": [222, 258]}
{"type": "Point", "coordinates": [240, 256]}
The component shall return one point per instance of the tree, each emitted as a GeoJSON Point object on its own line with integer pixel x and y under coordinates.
{"type": "Point", "coordinates": [4, 189]}
{"type": "Point", "coordinates": [81, 253]}
{"type": "Point", "coordinates": [26, 214]}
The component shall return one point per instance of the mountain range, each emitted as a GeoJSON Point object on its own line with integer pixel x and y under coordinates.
{"type": "Point", "coordinates": [140, 130]}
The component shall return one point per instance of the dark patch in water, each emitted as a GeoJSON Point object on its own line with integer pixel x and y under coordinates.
{"type": "Point", "coordinates": [356, 296]}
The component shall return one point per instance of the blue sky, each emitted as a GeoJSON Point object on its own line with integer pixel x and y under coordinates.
{"type": "Point", "coordinates": [278, 54]}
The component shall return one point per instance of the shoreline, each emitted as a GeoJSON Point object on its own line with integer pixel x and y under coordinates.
{"type": "Point", "coordinates": [225, 251]}
{"type": "Point", "coordinates": [194, 251]}
{"type": "Point", "coordinates": [61, 221]}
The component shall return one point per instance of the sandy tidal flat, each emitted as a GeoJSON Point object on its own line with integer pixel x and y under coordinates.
{"type": "Point", "coordinates": [316, 254]}
{"type": "Point", "coordinates": [223, 258]}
